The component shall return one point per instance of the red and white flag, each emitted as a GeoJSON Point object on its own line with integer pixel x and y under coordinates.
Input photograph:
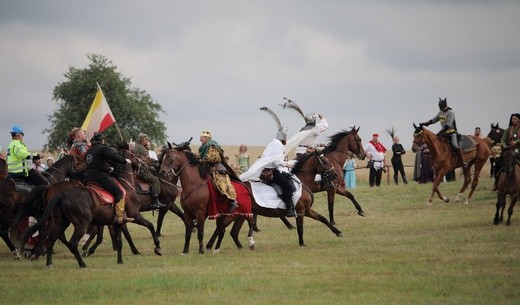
{"type": "Point", "coordinates": [99, 117]}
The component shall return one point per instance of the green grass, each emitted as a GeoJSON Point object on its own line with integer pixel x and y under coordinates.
{"type": "Point", "coordinates": [402, 252]}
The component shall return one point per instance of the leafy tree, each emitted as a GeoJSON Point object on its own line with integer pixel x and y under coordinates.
{"type": "Point", "coordinates": [134, 109]}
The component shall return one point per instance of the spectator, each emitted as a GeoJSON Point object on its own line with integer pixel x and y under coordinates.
{"type": "Point", "coordinates": [426, 167]}
{"type": "Point", "coordinates": [37, 164]}
{"type": "Point", "coordinates": [349, 173]}
{"type": "Point", "coordinates": [477, 132]}
{"type": "Point", "coordinates": [376, 153]}
{"type": "Point", "coordinates": [397, 162]}
{"type": "Point", "coordinates": [242, 158]}
{"type": "Point", "coordinates": [50, 162]}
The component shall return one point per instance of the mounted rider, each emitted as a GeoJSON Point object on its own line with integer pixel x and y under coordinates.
{"type": "Point", "coordinates": [273, 159]}
{"type": "Point", "coordinates": [306, 138]}
{"type": "Point", "coordinates": [510, 140]}
{"type": "Point", "coordinates": [78, 149]}
{"type": "Point", "coordinates": [145, 171]}
{"type": "Point", "coordinates": [211, 155]}
{"type": "Point", "coordinates": [98, 158]}
{"type": "Point", "coordinates": [446, 117]}
{"type": "Point", "coordinates": [19, 159]}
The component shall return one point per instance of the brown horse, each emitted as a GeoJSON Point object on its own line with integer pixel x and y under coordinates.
{"type": "Point", "coordinates": [508, 184]}
{"type": "Point", "coordinates": [341, 145]}
{"type": "Point", "coordinates": [443, 160]}
{"type": "Point", "coordinates": [308, 166]}
{"type": "Point", "coordinates": [179, 161]}
{"type": "Point", "coordinates": [10, 202]}
{"type": "Point", "coordinates": [79, 206]}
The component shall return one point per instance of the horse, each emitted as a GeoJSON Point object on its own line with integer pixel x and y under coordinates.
{"type": "Point", "coordinates": [342, 144]}
{"type": "Point", "coordinates": [508, 184]}
{"type": "Point", "coordinates": [196, 197]}
{"type": "Point", "coordinates": [306, 168]}
{"type": "Point", "coordinates": [444, 160]}
{"type": "Point", "coordinates": [79, 206]}
{"type": "Point", "coordinates": [495, 134]}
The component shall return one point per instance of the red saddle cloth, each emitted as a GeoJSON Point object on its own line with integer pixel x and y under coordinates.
{"type": "Point", "coordinates": [104, 196]}
{"type": "Point", "coordinates": [219, 204]}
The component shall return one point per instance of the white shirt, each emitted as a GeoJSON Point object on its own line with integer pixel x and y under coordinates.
{"type": "Point", "coordinates": [272, 157]}
{"type": "Point", "coordinates": [376, 156]}
{"type": "Point", "coordinates": [307, 138]}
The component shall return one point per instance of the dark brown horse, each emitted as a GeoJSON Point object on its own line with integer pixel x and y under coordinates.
{"type": "Point", "coordinates": [508, 184]}
{"type": "Point", "coordinates": [179, 161]}
{"type": "Point", "coordinates": [10, 202]}
{"type": "Point", "coordinates": [443, 160]}
{"type": "Point", "coordinates": [305, 169]}
{"type": "Point", "coordinates": [495, 134]}
{"type": "Point", "coordinates": [79, 206]}
{"type": "Point", "coordinates": [341, 145]}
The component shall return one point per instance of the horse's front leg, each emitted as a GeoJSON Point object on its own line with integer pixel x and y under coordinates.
{"type": "Point", "coordinates": [436, 190]}
{"type": "Point", "coordinates": [514, 199]}
{"type": "Point", "coordinates": [344, 192]}
{"type": "Point", "coordinates": [330, 202]}
{"type": "Point", "coordinates": [188, 224]}
{"type": "Point", "coordinates": [140, 220]}
{"type": "Point", "coordinates": [467, 179]}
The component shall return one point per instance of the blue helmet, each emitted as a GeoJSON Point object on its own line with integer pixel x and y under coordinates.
{"type": "Point", "coordinates": [17, 129]}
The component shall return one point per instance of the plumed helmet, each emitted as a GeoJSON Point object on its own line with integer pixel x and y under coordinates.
{"type": "Point", "coordinates": [205, 133]}
{"type": "Point", "coordinates": [97, 137]}
{"type": "Point", "coordinates": [442, 103]}
{"type": "Point", "coordinates": [281, 135]}
{"type": "Point", "coordinates": [311, 119]}
{"type": "Point", "coordinates": [17, 129]}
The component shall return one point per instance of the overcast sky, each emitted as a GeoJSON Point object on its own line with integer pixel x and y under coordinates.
{"type": "Point", "coordinates": [213, 64]}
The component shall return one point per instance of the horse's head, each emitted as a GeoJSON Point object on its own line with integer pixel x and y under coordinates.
{"type": "Point", "coordinates": [348, 142]}
{"type": "Point", "coordinates": [418, 137]}
{"type": "Point", "coordinates": [495, 134]}
{"type": "Point", "coordinates": [175, 158]}
{"type": "Point", "coordinates": [61, 169]}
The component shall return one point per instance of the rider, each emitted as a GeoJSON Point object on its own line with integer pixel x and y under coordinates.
{"type": "Point", "coordinates": [18, 159]}
{"type": "Point", "coordinates": [273, 158]}
{"type": "Point", "coordinates": [446, 117]}
{"type": "Point", "coordinates": [145, 172]}
{"type": "Point", "coordinates": [78, 149]}
{"type": "Point", "coordinates": [510, 140]}
{"type": "Point", "coordinates": [98, 170]}
{"type": "Point", "coordinates": [212, 156]}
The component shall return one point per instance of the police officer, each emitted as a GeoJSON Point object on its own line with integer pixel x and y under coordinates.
{"type": "Point", "coordinates": [18, 159]}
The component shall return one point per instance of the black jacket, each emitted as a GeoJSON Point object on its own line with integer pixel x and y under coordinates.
{"type": "Point", "coordinates": [98, 159]}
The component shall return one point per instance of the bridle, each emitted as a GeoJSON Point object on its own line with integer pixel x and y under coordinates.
{"type": "Point", "coordinates": [172, 171]}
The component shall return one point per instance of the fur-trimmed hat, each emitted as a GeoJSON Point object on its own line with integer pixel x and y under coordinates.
{"type": "Point", "coordinates": [97, 137]}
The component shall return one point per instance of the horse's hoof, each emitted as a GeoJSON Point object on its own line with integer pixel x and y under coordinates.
{"type": "Point", "coordinates": [428, 203]}
{"type": "Point", "coordinates": [340, 234]}
{"type": "Point", "coordinates": [85, 254]}
{"type": "Point", "coordinates": [256, 229]}
{"type": "Point", "coordinates": [361, 213]}
{"type": "Point", "coordinates": [16, 254]}
{"type": "Point", "coordinates": [496, 222]}
{"type": "Point", "coordinates": [216, 251]}
{"type": "Point", "coordinates": [158, 251]}
{"type": "Point", "coordinates": [251, 242]}
{"type": "Point", "coordinates": [466, 202]}
{"type": "Point", "coordinates": [447, 200]}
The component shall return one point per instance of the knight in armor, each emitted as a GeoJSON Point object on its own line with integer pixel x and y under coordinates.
{"type": "Point", "coordinates": [446, 117]}
{"type": "Point", "coordinates": [212, 157]}
{"type": "Point", "coordinates": [19, 160]}
{"type": "Point", "coordinates": [309, 133]}
{"type": "Point", "coordinates": [510, 140]}
{"type": "Point", "coordinates": [145, 171]}
{"type": "Point", "coordinates": [98, 158]}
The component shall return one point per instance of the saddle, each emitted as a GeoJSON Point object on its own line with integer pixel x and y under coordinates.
{"type": "Point", "coordinates": [22, 186]}
{"type": "Point", "coordinates": [269, 195]}
{"type": "Point", "coordinates": [141, 186]}
{"type": "Point", "coordinates": [104, 196]}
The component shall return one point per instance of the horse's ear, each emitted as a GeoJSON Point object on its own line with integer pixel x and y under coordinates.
{"type": "Point", "coordinates": [189, 141]}
{"type": "Point", "coordinates": [169, 145]}
{"type": "Point", "coordinates": [414, 126]}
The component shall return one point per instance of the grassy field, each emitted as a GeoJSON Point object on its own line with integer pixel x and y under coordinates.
{"type": "Point", "coordinates": [402, 252]}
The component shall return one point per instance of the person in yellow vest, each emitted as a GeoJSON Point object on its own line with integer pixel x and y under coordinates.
{"type": "Point", "coordinates": [19, 159]}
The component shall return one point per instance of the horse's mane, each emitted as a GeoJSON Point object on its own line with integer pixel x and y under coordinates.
{"type": "Point", "coordinates": [300, 161]}
{"type": "Point", "coordinates": [335, 139]}
{"type": "Point", "coordinates": [192, 158]}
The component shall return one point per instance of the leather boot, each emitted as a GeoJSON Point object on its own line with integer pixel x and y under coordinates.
{"type": "Point", "coordinates": [396, 180]}
{"type": "Point", "coordinates": [405, 180]}
{"type": "Point", "coordinates": [120, 212]}
{"type": "Point", "coordinates": [156, 204]}
{"type": "Point", "coordinates": [289, 208]}
{"type": "Point", "coordinates": [460, 153]}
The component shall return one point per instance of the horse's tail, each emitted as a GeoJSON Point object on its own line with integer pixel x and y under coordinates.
{"type": "Point", "coordinates": [49, 209]}
{"type": "Point", "coordinates": [29, 206]}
